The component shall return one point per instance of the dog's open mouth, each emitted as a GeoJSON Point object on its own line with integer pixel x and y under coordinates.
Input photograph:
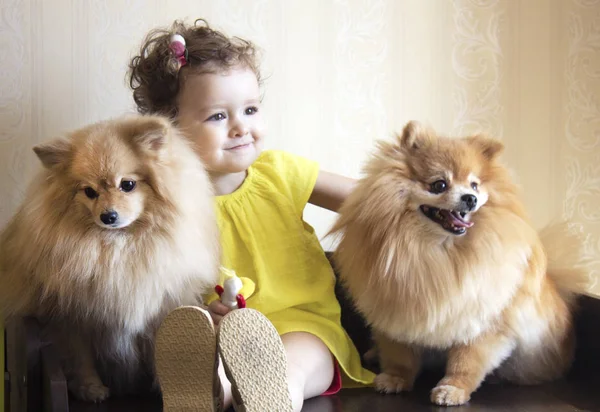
{"type": "Point", "coordinates": [451, 220]}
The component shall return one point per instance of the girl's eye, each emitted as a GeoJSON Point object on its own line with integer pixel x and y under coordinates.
{"type": "Point", "coordinates": [217, 117]}
{"type": "Point", "coordinates": [251, 110]}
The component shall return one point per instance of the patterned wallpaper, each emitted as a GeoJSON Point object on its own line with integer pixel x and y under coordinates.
{"type": "Point", "coordinates": [581, 143]}
{"type": "Point", "coordinates": [339, 74]}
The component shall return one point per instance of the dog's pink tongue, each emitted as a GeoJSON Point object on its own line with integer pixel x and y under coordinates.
{"type": "Point", "coordinates": [455, 220]}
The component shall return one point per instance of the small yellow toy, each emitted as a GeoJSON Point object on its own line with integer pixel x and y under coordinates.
{"type": "Point", "coordinates": [235, 290]}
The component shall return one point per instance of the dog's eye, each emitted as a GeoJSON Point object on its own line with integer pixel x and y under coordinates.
{"type": "Point", "coordinates": [90, 193]}
{"type": "Point", "coordinates": [438, 187]}
{"type": "Point", "coordinates": [474, 186]}
{"type": "Point", "coordinates": [127, 185]}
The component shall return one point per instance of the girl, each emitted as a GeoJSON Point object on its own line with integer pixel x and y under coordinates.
{"type": "Point", "coordinates": [289, 345]}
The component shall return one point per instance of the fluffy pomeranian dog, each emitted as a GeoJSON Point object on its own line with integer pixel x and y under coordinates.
{"type": "Point", "coordinates": [438, 255]}
{"type": "Point", "coordinates": [117, 230]}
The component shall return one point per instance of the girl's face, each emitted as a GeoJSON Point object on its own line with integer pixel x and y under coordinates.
{"type": "Point", "coordinates": [220, 114]}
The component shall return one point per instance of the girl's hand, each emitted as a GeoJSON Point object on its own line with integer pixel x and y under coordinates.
{"type": "Point", "coordinates": [217, 310]}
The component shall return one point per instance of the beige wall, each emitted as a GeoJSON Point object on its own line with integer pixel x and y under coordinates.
{"type": "Point", "coordinates": [341, 73]}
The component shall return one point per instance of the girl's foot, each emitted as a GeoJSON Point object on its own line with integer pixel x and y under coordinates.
{"type": "Point", "coordinates": [255, 362]}
{"type": "Point", "coordinates": [186, 362]}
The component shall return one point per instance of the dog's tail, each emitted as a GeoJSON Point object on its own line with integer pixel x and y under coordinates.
{"type": "Point", "coordinates": [568, 265]}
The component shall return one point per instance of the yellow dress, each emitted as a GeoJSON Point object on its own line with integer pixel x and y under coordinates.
{"type": "Point", "coordinates": [265, 239]}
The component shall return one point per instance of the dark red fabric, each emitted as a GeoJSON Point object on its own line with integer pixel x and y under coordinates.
{"type": "Point", "coordinates": [336, 383]}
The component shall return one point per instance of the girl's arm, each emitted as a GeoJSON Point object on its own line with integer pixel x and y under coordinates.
{"type": "Point", "coordinates": [331, 190]}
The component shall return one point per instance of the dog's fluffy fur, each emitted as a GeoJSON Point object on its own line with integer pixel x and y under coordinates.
{"type": "Point", "coordinates": [100, 288]}
{"type": "Point", "coordinates": [482, 294]}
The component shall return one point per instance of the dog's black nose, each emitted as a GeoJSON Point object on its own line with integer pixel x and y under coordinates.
{"type": "Point", "coordinates": [470, 201]}
{"type": "Point", "coordinates": [109, 217]}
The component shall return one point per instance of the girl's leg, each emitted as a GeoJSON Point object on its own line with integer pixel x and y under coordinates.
{"type": "Point", "coordinates": [226, 385]}
{"type": "Point", "coordinates": [256, 356]}
{"type": "Point", "coordinates": [310, 366]}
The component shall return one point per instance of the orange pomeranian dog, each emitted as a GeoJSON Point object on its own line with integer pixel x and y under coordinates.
{"type": "Point", "coordinates": [437, 253]}
{"type": "Point", "coordinates": [117, 230]}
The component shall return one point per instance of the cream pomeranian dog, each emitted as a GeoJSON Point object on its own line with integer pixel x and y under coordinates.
{"type": "Point", "coordinates": [437, 253]}
{"type": "Point", "coordinates": [117, 230]}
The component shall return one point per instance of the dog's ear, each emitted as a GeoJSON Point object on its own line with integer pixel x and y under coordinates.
{"type": "Point", "coordinates": [414, 136]}
{"type": "Point", "coordinates": [149, 133]}
{"type": "Point", "coordinates": [54, 153]}
{"type": "Point", "coordinates": [490, 148]}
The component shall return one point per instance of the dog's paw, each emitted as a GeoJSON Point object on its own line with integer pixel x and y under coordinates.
{"type": "Point", "coordinates": [386, 383]}
{"type": "Point", "coordinates": [448, 395]}
{"type": "Point", "coordinates": [89, 391]}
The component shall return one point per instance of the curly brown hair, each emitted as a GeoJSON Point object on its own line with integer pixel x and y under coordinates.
{"type": "Point", "coordinates": [155, 76]}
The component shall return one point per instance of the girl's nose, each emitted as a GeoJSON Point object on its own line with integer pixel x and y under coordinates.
{"type": "Point", "coordinates": [238, 129]}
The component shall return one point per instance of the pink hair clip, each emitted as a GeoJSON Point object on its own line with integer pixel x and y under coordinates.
{"type": "Point", "coordinates": [177, 47]}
